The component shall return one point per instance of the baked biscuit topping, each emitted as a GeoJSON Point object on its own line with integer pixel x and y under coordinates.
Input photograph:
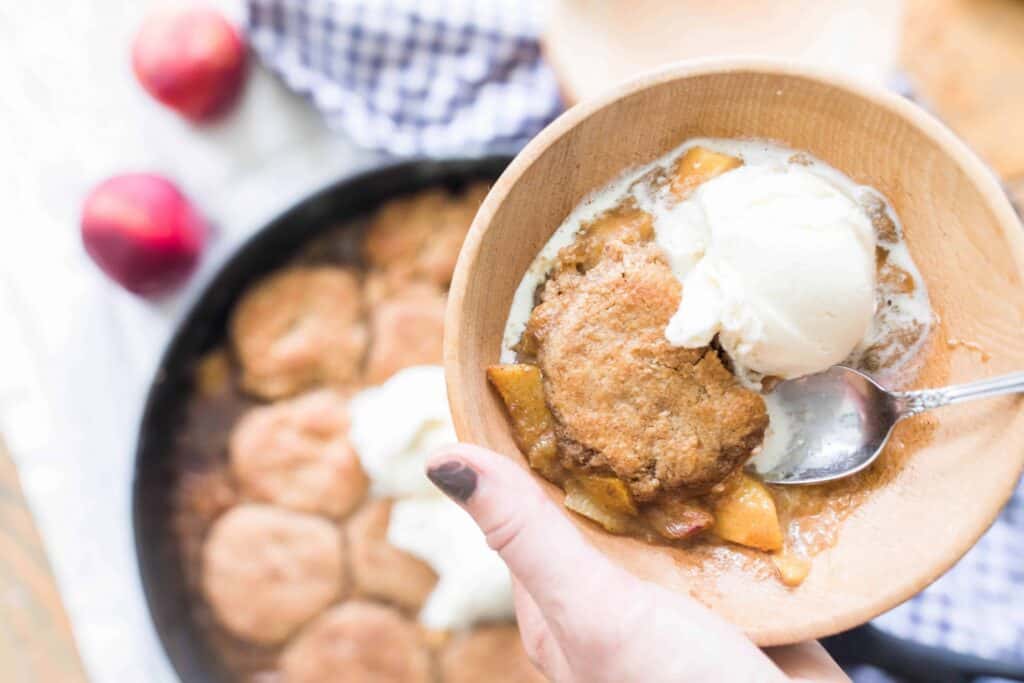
{"type": "Point", "coordinates": [663, 419]}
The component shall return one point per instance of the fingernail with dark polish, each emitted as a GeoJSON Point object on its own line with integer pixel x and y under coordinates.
{"type": "Point", "coordinates": [455, 479]}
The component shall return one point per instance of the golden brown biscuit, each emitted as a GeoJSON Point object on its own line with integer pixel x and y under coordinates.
{"type": "Point", "coordinates": [421, 235]}
{"type": "Point", "coordinates": [406, 329]}
{"type": "Point", "coordinates": [266, 570]}
{"type": "Point", "coordinates": [659, 417]}
{"type": "Point", "coordinates": [357, 642]}
{"type": "Point", "coordinates": [299, 328]}
{"type": "Point", "coordinates": [381, 285]}
{"type": "Point", "coordinates": [296, 454]}
{"type": "Point", "coordinates": [379, 569]}
{"type": "Point", "coordinates": [489, 653]}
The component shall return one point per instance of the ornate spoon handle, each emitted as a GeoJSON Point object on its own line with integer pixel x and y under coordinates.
{"type": "Point", "coordinates": [914, 402]}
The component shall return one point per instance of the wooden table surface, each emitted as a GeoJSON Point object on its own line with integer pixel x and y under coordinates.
{"type": "Point", "coordinates": [965, 57]}
{"type": "Point", "coordinates": [36, 645]}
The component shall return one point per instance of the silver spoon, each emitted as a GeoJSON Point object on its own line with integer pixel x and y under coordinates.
{"type": "Point", "coordinates": [835, 423]}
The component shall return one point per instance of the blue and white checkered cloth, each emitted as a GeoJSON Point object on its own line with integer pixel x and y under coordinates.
{"type": "Point", "coordinates": [978, 606]}
{"type": "Point", "coordinates": [408, 77]}
{"type": "Point", "coordinates": [452, 77]}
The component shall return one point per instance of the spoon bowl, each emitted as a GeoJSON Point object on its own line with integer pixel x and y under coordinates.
{"type": "Point", "coordinates": [835, 423]}
{"type": "Point", "coordinates": [829, 425]}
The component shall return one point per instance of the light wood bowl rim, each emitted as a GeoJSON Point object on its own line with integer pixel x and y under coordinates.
{"type": "Point", "coordinates": [976, 171]}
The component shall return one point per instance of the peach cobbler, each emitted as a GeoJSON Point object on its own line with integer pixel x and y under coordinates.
{"type": "Point", "coordinates": [643, 342]}
{"type": "Point", "coordinates": [313, 545]}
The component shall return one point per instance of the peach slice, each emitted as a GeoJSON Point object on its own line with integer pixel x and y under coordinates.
{"type": "Point", "coordinates": [520, 386]}
{"type": "Point", "coordinates": [745, 514]}
{"type": "Point", "coordinates": [698, 166]}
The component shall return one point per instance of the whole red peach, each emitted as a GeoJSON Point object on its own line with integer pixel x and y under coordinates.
{"type": "Point", "coordinates": [191, 59]}
{"type": "Point", "coordinates": [142, 231]}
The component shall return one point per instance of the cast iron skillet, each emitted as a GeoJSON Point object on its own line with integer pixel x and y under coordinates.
{"type": "Point", "coordinates": [205, 326]}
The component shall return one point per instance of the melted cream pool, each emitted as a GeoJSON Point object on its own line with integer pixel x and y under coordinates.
{"type": "Point", "coordinates": [902, 314]}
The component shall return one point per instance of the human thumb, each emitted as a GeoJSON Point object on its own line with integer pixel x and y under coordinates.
{"type": "Point", "coordinates": [542, 548]}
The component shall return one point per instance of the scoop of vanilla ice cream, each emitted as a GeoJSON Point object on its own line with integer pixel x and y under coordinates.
{"type": "Point", "coordinates": [395, 427]}
{"type": "Point", "coordinates": [776, 260]}
{"type": "Point", "coordinates": [473, 582]}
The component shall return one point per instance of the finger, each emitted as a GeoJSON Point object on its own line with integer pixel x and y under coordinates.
{"type": "Point", "coordinates": [541, 547]}
{"type": "Point", "coordinates": [538, 641]}
{"type": "Point", "coordinates": [528, 616]}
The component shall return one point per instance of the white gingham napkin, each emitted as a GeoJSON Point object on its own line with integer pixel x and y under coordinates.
{"type": "Point", "coordinates": [415, 77]}
{"type": "Point", "coordinates": [978, 606]}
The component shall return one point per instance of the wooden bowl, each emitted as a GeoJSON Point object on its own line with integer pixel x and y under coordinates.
{"type": "Point", "coordinates": [951, 471]}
